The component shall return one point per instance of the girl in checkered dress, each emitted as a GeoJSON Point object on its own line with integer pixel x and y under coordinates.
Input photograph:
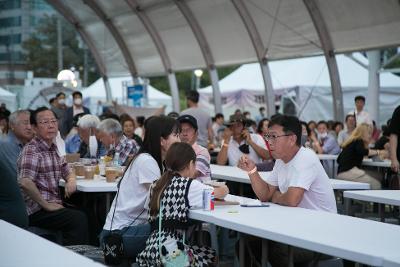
{"type": "Point", "coordinates": [177, 193]}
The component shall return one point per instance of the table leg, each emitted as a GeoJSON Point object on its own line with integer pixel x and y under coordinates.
{"type": "Point", "coordinates": [264, 253]}
{"type": "Point", "coordinates": [381, 210]}
{"type": "Point", "coordinates": [241, 250]}
{"type": "Point", "coordinates": [347, 205]}
{"type": "Point", "coordinates": [290, 259]}
{"type": "Point", "coordinates": [108, 201]}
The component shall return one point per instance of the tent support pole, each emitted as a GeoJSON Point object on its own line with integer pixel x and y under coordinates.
{"type": "Point", "coordinates": [269, 90]}
{"type": "Point", "coordinates": [329, 52]}
{"type": "Point", "coordinates": [216, 92]}
{"type": "Point", "coordinates": [373, 84]}
{"type": "Point", "coordinates": [173, 85]}
{"type": "Point", "coordinates": [108, 89]}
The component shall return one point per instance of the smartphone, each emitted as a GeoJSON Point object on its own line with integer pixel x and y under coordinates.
{"type": "Point", "coordinates": [254, 205]}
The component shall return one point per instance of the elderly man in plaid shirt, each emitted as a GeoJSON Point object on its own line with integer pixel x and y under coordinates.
{"type": "Point", "coordinates": [111, 136]}
{"type": "Point", "coordinates": [40, 169]}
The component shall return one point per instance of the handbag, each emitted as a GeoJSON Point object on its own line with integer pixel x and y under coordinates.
{"type": "Point", "coordinates": [113, 249]}
{"type": "Point", "coordinates": [172, 252]}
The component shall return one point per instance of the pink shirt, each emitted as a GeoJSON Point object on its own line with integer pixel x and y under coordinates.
{"type": "Point", "coordinates": [202, 162]}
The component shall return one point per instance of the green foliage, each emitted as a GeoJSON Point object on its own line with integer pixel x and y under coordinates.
{"type": "Point", "coordinates": [41, 50]}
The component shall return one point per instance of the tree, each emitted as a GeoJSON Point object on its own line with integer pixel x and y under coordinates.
{"type": "Point", "coordinates": [41, 50]}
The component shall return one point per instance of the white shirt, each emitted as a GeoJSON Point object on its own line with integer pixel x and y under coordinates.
{"type": "Point", "coordinates": [133, 193]}
{"type": "Point", "coordinates": [234, 153]}
{"type": "Point", "coordinates": [305, 171]}
{"type": "Point", "coordinates": [195, 195]}
{"type": "Point", "coordinates": [361, 117]}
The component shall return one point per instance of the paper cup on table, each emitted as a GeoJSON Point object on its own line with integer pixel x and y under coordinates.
{"type": "Point", "coordinates": [79, 169]}
{"type": "Point", "coordinates": [89, 172]}
{"type": "Point", "coordinates": [111, 174]}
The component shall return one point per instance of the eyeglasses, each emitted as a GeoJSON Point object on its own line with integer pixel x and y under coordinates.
{"type": "Point", "coordinates": [272, 137]}
{"type": "Point", "coordinates": [48, 122]}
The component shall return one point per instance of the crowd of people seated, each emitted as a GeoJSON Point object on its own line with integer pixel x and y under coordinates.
{"type": "Point", "coordinates": [167, 167]}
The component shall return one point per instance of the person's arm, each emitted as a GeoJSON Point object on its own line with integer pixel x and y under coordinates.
{"type": "Point", "coordinates": [210, 135]}
{"type": "Point", "coordinates": [32, 191]}
{"type": "Point", "coordinates": [316, 145]}
{"type": "Point", "coordinates": [70, 185]}
{"type": "Point", "coordinates": [261, 152]}
{"type": "Point", "coordinates": [221, 191]}
{"type": "Point", "coordinates": [262, 189]}
{"type": "Point", "coordinates": [393, 142]}
{"type": "Point", "coordinates": [291, 198]}
{"type": "Point", "coordinates": [222, 157]}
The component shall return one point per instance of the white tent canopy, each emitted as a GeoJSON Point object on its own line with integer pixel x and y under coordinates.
{"type": "Point", "coordinates": [96, 91]}
{"type": "Point", "coordinates": [309, 76]}
{"type": "Point", "coordinates": [9, 99]}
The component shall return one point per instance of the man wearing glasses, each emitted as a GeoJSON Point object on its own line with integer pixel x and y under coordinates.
{"type": "Point", "coordinates": [297, 179]}
{"type": "Point", "coordinates": [237, 141]}
{"type": "Point", "coordinates": [40, 169]}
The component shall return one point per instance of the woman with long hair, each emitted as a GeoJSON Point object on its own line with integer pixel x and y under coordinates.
{"type": "Point", "coordinates": [175, 193]}
{"type": "Point", "coordinates": [127, 209]}
{"type": "Point", "coordinates": [351, 157]}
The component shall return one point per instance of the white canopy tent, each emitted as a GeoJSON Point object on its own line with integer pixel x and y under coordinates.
{"type": "Point", "coordinates": [308, 80]}
{"type": "Point", "coordinates": [9, 99]}
{"type": "Point", "coordinates": [96, 92]}
{"type": "Point", "coordinates": [155, 37]}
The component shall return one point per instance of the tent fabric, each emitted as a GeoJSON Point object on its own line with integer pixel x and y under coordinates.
{"type": "Point", "coordinates": [96, 91]}
{"type": "Point", "coordinates": [285, 28]}
{"type": "Point", "coordinates": [9, 99]}
{"type": "Point", "coordinates": [307, 80]}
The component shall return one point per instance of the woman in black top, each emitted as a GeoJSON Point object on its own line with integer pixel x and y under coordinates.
{"type": "Point", "coordinates": [350, 159]}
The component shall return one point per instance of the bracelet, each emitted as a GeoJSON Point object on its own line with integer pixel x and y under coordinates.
{"type": "Point", "coordinates": [252, 171]}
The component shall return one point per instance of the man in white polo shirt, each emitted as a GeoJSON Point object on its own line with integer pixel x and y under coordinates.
{"type": "Point", "coordinates": [297, 180]}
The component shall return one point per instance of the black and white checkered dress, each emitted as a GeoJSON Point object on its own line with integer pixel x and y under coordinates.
{"type": "Point", "coordinates": [175, 212]}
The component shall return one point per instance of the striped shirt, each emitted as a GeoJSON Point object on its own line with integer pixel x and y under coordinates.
{"type": "Point", "coordinates": [42, 164]}
{"type": "Point", "coordinates": [202, 162]}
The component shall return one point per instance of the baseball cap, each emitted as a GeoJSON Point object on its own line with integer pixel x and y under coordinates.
{"type": "Point", "coordinates": [188, 119]}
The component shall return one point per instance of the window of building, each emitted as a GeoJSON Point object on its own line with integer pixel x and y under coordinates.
{"type": "Point", "coordinates": [16, 56]}
{"type": "Point", "coordinates": [10, 39]}
{"type": "Point", "coordinates": [259, 99]}
{"type": "Point", "coordinates": [10, 22]}
{"type": "Point", "coordinates": [10, 4]}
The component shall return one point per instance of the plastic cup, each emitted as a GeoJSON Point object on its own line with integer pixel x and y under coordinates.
{"type": "Point", "coordinates": [111, 174]}
{"type": "Point", "coordinates": [79, 169]}
{"type": "Point", "coordinates": [89, 172]}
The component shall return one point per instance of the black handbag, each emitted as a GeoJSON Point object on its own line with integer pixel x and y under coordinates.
{"type": "Point", "coordinates": [113, 248]}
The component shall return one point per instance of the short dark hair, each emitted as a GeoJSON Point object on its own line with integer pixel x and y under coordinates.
{"type": "Point", "coordinates": [219, 115]}
{"type": "Point", "coordinates": [261, 108]}
{"type": "Point", "coordinates": [34, 113]}
{"type": "Point", "coordinates": [348, 116]}
{"type": "Point", "coordinates": [140, 120]}
{"type": "Point", "coordinates": [290, 124]}
{"type": "Point", "coordinates": [193, 96]}
{"type": "Point", "coordinates": [76, 93]}
{"type": "Point", "coordinates": [60, 94]}
{"type": "Point", "coordinates": [359, 97]}
{"type": "Point", "coordinates": [323, 122]}
{"type": "Point", "coordinates": [51, 101]}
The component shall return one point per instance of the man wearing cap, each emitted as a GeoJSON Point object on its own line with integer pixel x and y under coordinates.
{"type": "Point", "coordinates": [189, 135]}
{"type": "Point", "coordinates": [237, 141]}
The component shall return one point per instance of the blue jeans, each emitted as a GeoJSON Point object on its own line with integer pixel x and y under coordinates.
{"type": "Point", "coordinates": [134, 238]}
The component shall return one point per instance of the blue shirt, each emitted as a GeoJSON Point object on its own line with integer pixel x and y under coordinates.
{"type": "Point", "coordinates": [72, 144]}
{"type": "Point", "coordinates": [12, 205]}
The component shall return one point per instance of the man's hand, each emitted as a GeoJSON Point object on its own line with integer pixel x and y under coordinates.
{"type": "Point", "coordinates": [70, 187]}
{"type": "Point", "coordinates": [246, 164]}
{"type": "Point", "coordinates": [246, 136]}
{"type": "Point", "coordinates": [52, 206]}
{"type": "Point", "coordinates": [227, 134]}
{"type": "Point", "coordinates": [395, 165]}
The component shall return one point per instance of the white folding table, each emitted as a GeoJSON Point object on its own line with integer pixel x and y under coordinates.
{"type": "Point", "coordinates": [23, 248]}
{"type": "Point", "coordinates": [351, 238]}
{"type": "Point", "coordinates": [383, 197]}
